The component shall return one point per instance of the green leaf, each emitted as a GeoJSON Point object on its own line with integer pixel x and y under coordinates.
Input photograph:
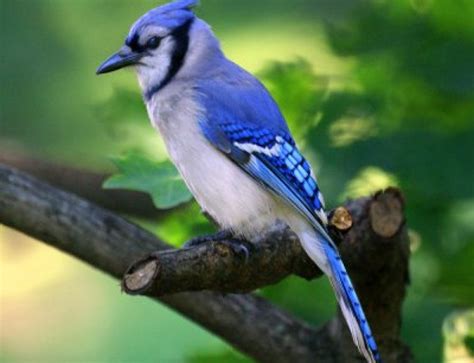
{"type": "Point", "coordinates": [159, 179]}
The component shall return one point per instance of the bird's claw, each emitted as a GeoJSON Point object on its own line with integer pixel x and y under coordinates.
{"type": "Point", "coordinates": [240, 248]}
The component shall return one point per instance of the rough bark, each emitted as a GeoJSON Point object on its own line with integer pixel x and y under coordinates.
{"type": "Point", "coordinates": [377, 260]}
{"type": "Point", "coordinates": [85, 183]}
{"type": "Point", "coordinates": [218, 266]}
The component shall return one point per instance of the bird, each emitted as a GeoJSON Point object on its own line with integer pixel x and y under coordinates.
{"type": "Point", "coordinates": [230, 142]}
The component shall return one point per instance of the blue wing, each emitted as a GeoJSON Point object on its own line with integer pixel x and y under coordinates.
{"type": "Point", "coordinates": [246, 124]}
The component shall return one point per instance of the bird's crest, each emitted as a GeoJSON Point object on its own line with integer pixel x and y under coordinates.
{"type": "Point", "coordinates": [169, 16]}
{"type": "Point", "coordinates": [177, 5]}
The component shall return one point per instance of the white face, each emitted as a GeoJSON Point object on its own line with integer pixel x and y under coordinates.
{"type": "Point", "coordinates": [156, 61]}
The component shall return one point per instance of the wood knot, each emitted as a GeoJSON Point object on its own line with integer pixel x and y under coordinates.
{"type": "Point", "coordinates": [341, 219]}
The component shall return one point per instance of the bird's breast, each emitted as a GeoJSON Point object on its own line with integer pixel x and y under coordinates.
{"type": "Point", "coordinates": [221, 188]}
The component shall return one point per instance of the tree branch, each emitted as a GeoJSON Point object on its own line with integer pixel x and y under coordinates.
{"type": "Point", "coordinates": [85, 183]}
{"type": "Point", "coordinates": [217, 266]}
{"type": "Point", "coordinates": [248, 322]}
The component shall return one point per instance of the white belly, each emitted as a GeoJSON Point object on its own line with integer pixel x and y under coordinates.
{"type": "Point", "coordinates": [220, 187]}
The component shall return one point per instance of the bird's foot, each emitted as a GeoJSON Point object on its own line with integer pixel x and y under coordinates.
{"type": "Point", "coordinates": [241, 248]}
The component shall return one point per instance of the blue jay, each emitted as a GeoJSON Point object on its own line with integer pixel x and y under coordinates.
{"type": "Point", "coordinates": [230, 142]}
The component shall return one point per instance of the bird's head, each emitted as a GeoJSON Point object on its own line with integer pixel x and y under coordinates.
{"type": "Point", "coordinates": [156, 44]}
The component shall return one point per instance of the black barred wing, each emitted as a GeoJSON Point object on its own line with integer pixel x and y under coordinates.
{"type": "Point", "coordinates": [273, 160]}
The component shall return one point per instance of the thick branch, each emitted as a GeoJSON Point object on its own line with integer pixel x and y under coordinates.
{"type": "Point", "coordinates": [219, 267]}
{"type": "Point", "coordinates": [248, 322]}
{"type": "Point", "coordinates": [110, 243]}
{"type": "Point", "coordinates": [374, 250]}
{"type": "Point", "coordinates": [85, 183]}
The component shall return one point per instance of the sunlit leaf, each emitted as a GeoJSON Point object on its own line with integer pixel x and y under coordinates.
{"type": "Point", "coordinates": [159, 179]}
{"type": "Point", "coordinates": [368, 181]}
{"type": "Point", "coordinates": [347, 130]}
{"type": "Point", "coordinates": [458, 331]}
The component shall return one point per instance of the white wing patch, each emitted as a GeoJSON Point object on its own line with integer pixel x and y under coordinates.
{"type": "Point", "coordinates": [321, 199]}
{"type": "Point", "coordinates": [275, 151]}
{"type": "Point", "coordinates": [269, 151]}
{"type": "Point", "coordinates": [322, 215]}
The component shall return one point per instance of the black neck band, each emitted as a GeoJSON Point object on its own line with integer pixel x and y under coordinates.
{"type": "Point", "coordinates": [181, 39]}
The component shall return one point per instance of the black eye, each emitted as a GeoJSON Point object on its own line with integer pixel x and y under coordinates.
{"type": "Point", "coordinates": [153, 43]}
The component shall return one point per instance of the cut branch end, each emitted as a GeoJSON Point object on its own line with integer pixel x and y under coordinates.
{"type": "Point", "coordinates": [140, 276]}
{"type": "Point", "coordinates": [386, 212]}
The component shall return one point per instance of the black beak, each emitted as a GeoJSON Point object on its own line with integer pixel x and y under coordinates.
{"type": "Point", "coordinates": [125, 57]}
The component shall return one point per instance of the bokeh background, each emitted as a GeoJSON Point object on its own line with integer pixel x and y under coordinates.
{"type": "Point", "coordinates": [377, 93]}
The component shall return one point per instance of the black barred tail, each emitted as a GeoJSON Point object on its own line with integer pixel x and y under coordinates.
{"type": "Point", "coordinates": [350, 306]}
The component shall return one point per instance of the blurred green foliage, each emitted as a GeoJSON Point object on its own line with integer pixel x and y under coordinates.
{"type": "Point", "coordinates": [382, 94]}
{"type": "Point", "coordinates": [458, 331]}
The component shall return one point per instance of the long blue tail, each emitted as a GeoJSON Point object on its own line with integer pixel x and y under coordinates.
{"type": "Point", "coordinates": [323, 252]}
{"type": "Point", "coordinates": [350, 306]}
